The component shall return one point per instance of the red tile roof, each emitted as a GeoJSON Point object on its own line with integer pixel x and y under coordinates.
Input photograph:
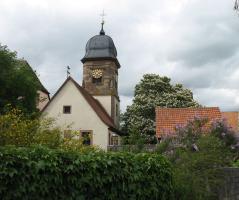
{"type": "Point", "coordinates": [168, 118]}
{"type": "Point", "coordinates": [232, 119]}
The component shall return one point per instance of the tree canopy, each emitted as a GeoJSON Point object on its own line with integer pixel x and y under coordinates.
{"type": "Point", "coordinates": [18, 85]}
{"type": "Point", "coordinates": [154, 90]}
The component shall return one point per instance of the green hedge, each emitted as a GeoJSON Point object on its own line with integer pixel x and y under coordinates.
{"type": "Point", "coordinates": [40, 173]}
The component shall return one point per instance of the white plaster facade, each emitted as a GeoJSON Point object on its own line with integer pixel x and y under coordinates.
{"type": "Point", "coordinates": [43, 99]}
{"type": "Point", "coordinates": [82, 116]}
{"type": "Point", "coordinates": [107, 103]}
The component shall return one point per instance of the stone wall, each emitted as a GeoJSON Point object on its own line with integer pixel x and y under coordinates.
{"type": "Point", "coordinates": [108, 85]}
{"type": "Point", "coordinates": [230, 191]}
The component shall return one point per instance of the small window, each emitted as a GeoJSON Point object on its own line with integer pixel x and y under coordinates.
{"type": "Point", "coordinates": [86, 137]}
{"type": "Point", "coordinates": [67, 109]}
{"type": "Point", "coordinates": [96, 80]}
{"type": "Point", "coordinates": [114, 140]}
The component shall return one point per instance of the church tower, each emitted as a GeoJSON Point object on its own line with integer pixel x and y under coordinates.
{"type": "Point", "coordinates": [100, 73]}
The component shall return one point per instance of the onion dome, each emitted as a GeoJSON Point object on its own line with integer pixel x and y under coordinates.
{"type": "Point", "coordinates": [100, 47]}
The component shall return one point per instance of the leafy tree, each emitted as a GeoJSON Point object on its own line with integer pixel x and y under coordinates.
{"type": "Point", "coordinates": [18, 85]}
{"type": "Point", "coordinates": [154, 90]}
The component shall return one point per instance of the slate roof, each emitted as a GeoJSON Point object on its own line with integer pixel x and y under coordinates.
{"type": "Point", "coordinates": [94, 103]}
{"type": "Point", "coordinates": [168, 118]}
{"type": "Point", "coordinates": [100, 47]}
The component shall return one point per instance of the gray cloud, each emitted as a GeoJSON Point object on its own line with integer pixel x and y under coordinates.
{"type": "Point", "coordinates": [193, 42]}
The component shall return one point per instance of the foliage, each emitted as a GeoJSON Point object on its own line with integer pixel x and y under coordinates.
{"type": "Point", "coordinates": [41, 173]}
{"type": "Point", "coordinates": [134, 142]}
{"type": "Point", "coordinates": [198, 151]}
{"type": "Point", "coordinates": [150, 92]}
{"type": "Point", "coordinates": [18, 130]}
{"type": "Point", "coordinates": [73, 144]}
{"type": "Point", "coordinates": [18, 85]}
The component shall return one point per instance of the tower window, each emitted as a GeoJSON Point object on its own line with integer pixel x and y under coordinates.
{"type": "Point", "coordinates": [67, 109]}
{"type": "Point", "coordinates": [96, 80]}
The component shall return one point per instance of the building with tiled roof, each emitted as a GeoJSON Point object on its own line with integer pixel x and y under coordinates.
{"type": "Point", "coordinates": [167, 119]}
{"type": "Point", "coordinates": [92, 109]}
{"type": "Point", "coordinates": [232, 119]}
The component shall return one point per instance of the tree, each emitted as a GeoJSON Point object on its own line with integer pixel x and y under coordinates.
{"type": "Point", "coordinates": [18, 85]}
{"type": "Point", "coordinates": [150, 92]}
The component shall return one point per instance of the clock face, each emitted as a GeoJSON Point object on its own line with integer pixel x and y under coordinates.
{"type": "Point", "coordinates": [97, 73]}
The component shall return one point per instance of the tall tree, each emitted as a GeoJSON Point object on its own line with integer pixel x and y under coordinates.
{"type": "Point", "coordinates": [18, 85]}
{"type": "Point", "coordinates": [153, 90]}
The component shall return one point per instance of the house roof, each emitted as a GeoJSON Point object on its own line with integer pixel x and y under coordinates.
{"type": "Point", "coordinates": [41, 87]}
{"type": "Point", "coordinates": [168, 118]}
{"type": "Point", "coordinates": [232, 119]}
{"type": "Point", "coordinates": [94, 103]}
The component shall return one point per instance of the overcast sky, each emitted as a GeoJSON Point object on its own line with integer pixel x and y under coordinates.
{"type": "Point", "coordinates": [194, 42]}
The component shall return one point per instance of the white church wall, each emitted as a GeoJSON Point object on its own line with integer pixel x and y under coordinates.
{"type": "Point", "coordinates": [82, 115]}
{"type": "Point", "coordinates": [117, 112]}
{"type": "Point", "coordinates": [105, 102]}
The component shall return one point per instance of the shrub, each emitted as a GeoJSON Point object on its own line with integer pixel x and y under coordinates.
{"type": "Point", "coordinates": [41, 173]}
{"type": "Point", "coordinates": [18, 130]}
{"type": "Point", "coordinates": [198, 153]}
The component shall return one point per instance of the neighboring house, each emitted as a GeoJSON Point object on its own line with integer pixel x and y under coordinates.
{"type": "Point", "coordinates": [93, 108]}
{"type": "Point", "coordinates": [43, 94]}
{"type": "Point", "coordinates": [167, 119]}
{"type": "Point", "coordinates": [232, 119]}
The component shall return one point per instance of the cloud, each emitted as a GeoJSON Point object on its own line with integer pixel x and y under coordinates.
{"type": "Point", "coordinates": [194, 42]}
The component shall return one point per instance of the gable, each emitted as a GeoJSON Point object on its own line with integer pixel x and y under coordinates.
{"type": "Point", "coordinates": [70, 93]}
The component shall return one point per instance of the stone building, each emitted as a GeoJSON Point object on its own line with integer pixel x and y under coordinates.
{"type": "Point", "coordinates": [93, 108]}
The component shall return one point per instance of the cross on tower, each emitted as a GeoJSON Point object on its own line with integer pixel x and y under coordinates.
{"type": "Point", "coordinates": [102, 17]}
{"type": "Point", "coordinates": [102, 32]}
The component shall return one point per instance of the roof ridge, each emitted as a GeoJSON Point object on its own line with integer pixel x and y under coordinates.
{"type": "Point", "coordinates": [90, 99]}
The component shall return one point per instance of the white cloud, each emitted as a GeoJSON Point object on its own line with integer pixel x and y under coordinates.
{"type": "Point", "coordinates": [194, 42]}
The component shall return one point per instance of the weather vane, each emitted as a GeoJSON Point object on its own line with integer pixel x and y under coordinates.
{"type": "Point", "coordinates": [68, 71]}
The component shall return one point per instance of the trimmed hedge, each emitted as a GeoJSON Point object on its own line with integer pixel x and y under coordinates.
{"type": "Point", "coordinates": [41, 173]}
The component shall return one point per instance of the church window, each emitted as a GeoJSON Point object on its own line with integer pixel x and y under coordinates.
{"type": "Point", "coordinates": [114, 140]}
{"type": "Point", "coordinates": [86, 137]}
{"type": "Point", "coordinates": [96, 80]}
{"type": "Point", "coordinates": [67, 109]}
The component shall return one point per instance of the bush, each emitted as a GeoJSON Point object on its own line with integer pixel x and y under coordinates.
{"type": "Point", "coordinates": [21, 131]}
{"type": "Point", "coordinates": [198, 151]}
{"type": "Point", "coordinates": [16, 129]}
{"type": "Point", "coordinates": [42, 173]}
